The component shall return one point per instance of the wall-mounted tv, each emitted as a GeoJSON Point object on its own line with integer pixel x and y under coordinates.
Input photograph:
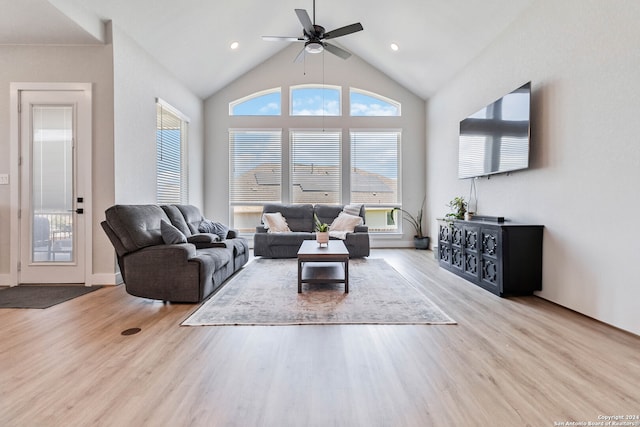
{"type": "Point", "coordinates": [496, 138]}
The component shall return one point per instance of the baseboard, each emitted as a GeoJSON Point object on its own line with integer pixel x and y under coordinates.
{"type": "Point", "coordinates": [106, 279]}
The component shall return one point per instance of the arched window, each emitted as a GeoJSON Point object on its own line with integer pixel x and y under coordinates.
{"type": "Point", "coordinates": [364, 103]}
{"type": "Point", "coordinates": [264, 103]}
{"type": "Point", "coordinates": [316, 100]}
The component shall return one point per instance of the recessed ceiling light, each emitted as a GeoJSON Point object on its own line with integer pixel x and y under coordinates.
{"type": "Point", "coordinates": [234, 45]}
{"type": "Point", "coordinates": [394, 47]}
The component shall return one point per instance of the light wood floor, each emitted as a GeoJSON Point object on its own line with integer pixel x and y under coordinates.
{"type": "Point", "coordinates": [508, 362]}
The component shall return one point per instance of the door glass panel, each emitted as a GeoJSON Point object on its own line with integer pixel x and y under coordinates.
{"type": "Point", "coordinates": [52, 184]}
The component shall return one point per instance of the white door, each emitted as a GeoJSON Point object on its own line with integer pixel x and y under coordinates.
{"type": "Point", "coordinates": [54, 130]}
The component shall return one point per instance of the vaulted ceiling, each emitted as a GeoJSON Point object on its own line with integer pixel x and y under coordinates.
{"type": "Point", "coordinates": [191, 38]}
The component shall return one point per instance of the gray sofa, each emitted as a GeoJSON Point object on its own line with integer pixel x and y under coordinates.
{"type": "Point", "coordinates": [180, 272]}
{"type": "Point", "coordinates": [300, 219]}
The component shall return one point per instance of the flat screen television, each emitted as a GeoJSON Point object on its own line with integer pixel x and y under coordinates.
{"type": "Point", "coordinates": [496, 138]}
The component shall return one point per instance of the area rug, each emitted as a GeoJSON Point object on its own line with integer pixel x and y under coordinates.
{"type": "Point", "coordinates": [37, 296]}
{"type": "Point", "coordinates": [265, 292]}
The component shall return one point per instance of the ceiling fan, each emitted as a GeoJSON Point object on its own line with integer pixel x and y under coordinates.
{"type": "Point", "coordinates": [314, 36]}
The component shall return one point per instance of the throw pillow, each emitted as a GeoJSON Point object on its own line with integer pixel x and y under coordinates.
{"type": "Point", "coordinates": [352, 209]}
{"type": "Point", "coordinates": [218, 228]}
{"type": "Point", "coordinates": [170, 234]}
{"type": "Point", "coordinates": [275, 223]}
{"type": "Point", "coordinates": [345, 222]}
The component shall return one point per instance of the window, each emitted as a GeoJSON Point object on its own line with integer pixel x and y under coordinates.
{"type": "Point", "coordinates": [255, 169]}
{"type": "Point", "coordinates": [305, 165]}
{"type": "Point", "coordinates": [365, 103]}
{"type": "Point", "coordinates": [264, 103]}
{"type": "Point", "coordinates": [316, 100]}
{"type": "Point", "coordinates": [171, 142]}
{"type": "Point", "coordinates": [374, 175]}
{"type": "Point", "coordinates": [315, 166]}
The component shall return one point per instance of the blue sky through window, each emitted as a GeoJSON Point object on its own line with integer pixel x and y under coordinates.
{"type": "Point", "coordinates": [265, 105]}
{"type": "Point", "coordinates": [366, 105]}
{"type": "Point", "coordinates": [315, 102]}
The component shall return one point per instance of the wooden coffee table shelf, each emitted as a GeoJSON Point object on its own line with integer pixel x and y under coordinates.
{"type": "Point", "coordinates": [326, 264]}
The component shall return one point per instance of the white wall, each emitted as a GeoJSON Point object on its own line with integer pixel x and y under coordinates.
{"type": "Point", "coordinates": [78, 64]}
{"type": "Point", "coordinates": [583, 59]}
{"type": "Point", "coordinates": [138, 81]}
{"type": "Point", "coordinates": [280, 71]}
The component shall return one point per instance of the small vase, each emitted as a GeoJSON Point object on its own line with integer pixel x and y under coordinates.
{"type": "Point", "coordinates": [322, 237]}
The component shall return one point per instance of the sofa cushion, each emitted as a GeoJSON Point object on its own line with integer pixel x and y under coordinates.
{"type": "Point", "coordinates": [177, 219]}
{"type": "Point", "coordinates": [192, 217]}
{"type": "Point", "coordinates": [295, 238]}
{"type": "Point", "coordinates": [275, 223]}
{"type": "Point", "coordinates": [299, 217]}
{"type": "Point", "coordinates": [137, 226]}
{"type": "Point", "coordinates": [170, 234]}
{"type": "Point", "coordinates": [327, 213]}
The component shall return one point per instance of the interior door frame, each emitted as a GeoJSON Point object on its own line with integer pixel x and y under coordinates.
{"type": "Point", "coordinates": [84, 159]}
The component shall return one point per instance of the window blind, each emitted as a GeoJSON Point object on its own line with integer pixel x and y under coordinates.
{"type": "Point", "coordinates": [315, 166]}
{"type": "Point", "coordinates": [255, 166]}
{"type": "Point", "coordinates": [171, 176]}
{"type": "Point", "coordinates": [374, 167]}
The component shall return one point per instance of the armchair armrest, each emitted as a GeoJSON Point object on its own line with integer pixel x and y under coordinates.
{"type": "Point", "coordinates": [180, 252]}
{"type": "Point", "coordinates": [261, 229]}
{"type": "Point", "coordinates": [361, 229]}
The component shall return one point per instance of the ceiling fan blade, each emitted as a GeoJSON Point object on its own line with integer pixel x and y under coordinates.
{"type": "Point", "coordinates": [343, 31]}
{"type": "Point", "coordinates": [303, 16]}
{"type": "Point", "coordinates": [299, 57]}
{"type": "Point", "coordinates": [337, 50]}
{"type": "Point", "coordinates": [284, 39]}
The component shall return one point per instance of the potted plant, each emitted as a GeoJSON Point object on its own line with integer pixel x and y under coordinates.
{"type": "Point", "coordinates": [419, 239]}
{"type": "Point", "coordinates": [322, 231]}
{"type": "Point", "coordinates": [458, 208]}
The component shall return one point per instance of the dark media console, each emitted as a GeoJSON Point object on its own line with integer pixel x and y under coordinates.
{"type": "Point", "coordinates": [503, 258]}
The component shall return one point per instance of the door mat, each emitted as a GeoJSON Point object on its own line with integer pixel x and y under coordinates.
{"type": "Point", "coordinates": [37, 296]}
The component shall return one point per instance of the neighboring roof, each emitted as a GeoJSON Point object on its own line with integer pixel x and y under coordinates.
{"type": "Point", "coordinates": [308, 185]}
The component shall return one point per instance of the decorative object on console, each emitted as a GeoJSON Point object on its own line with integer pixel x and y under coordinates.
{"type": "Point", "coordinates": [458, 208]}
{"type": "Point", "coordinates": [419, 239]}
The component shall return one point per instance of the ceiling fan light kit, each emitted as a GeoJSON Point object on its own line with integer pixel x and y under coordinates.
{"type": "Point", "coordinates": [314, 47]}
{"type": "Point", "coordinates": [314, 36]}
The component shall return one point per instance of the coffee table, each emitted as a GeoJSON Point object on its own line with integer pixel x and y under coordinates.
{"type": "Point", "coordinates": [326, 264]}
